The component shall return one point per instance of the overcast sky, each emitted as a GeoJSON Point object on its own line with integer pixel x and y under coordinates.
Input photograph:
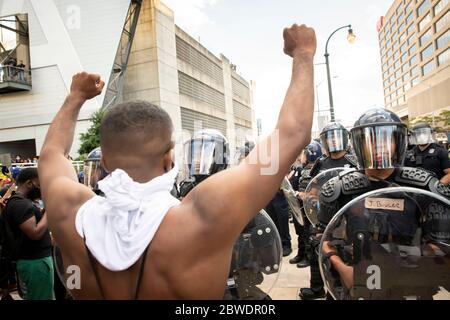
{"type": "Point", "coordinates": [249, 33]}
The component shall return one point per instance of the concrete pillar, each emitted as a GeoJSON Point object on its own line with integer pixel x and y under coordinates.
{"type": "Point", "coordinates": [228, 92]}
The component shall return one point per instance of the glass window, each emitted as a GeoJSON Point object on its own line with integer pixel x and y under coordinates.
{"type": "Point", "coordinates": [395, 46]}
{"type": "Point", "coordinates": [402, 99]}
{"type": "Point", "coordinates": [442, 41]}
{"type": "Point", "coordinates": [392, 78]}
{"type": "Point", "coordinates": [399, 9]}
{"type": "Point", "coordinates": [407, 86]}
{"type": "Point", "coordinates": [405, 67]}
{"type": "Point", "coordinates": [400, 91]}
{"type": "Point", "coordinates": [411, 29]}
{"type": "Point", "coordinates": [401, 28]}
{"type": "Point", "coordinates": [396, 55]}
{"type": "Point", "coordinates": [389, 53]}
{"type": "Point", "coordinates": [440, 6]}
{"type": "Point", "coordinates": [425, 21]}
{"type": "Point", "coordinates": [428, 67]}
{"type": "Point", "coordinates": [402, 37]}
{"type": "Point", "coordinates": [409, 18]}
{"type": "Point", "coordinates": [444, 57]}
{"type": "Point", "coordinates": [412, 50]}
{"type": "Point", "coordinates": [398, 83]}
{"type": "Point", "coordinates": [400, 18]}
{"type": "Point", "coordinates": [411, 39]}
{"type": "Point", "coordinates": [425, 37]}
{"type": "Point", "coordinates": [394, 35]}
{"type": "Point", "coordinates": [406, 77]}
{"type": "Point", "coordinates": [415, 71]}
{"type": "Point", "coordinates": [403, 47]}
{"type": "Point", "coordinates": [404, 57]}
{"type": "Point", "coordinates": [443, 22]}
{"type": "Point", "coordinates": [398, 73]}
{"type": "Point", "coordinates": [423, 7]}
{"type": "Point", "coordinates": [413, 60]}
{"type": "Point", "coordinates": [409, 6]}
{"type": "Point", "coordinates": [415, 82]}
{"type": "Point", "coordinates": [394, 103]}
{"type": "Point", "coordinates": [388, 43]}
{"type": "Point", "coordinates": [427, 52]}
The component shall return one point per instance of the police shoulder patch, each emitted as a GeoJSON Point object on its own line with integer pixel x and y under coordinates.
{"type": "Point", "coordinates": [354, 182]}
{"type": "Point", "coordinates": [437, 187]}
{"type": "Point", "coordinates": [414, 176]}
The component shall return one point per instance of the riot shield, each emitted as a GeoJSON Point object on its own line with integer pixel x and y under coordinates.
{"type": "Point", "coordinates": [256, 261]}
{"type": "Point", "coordinates": [312, 192]}
{"type": "Point", "coordinates": [294, 203]}
{"type": "Point", "coordinates": [390, 244]}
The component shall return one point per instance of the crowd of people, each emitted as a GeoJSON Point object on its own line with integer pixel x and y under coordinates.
{"type": "Point", "coordinates": [13, 71]}
{"type": "Point", "coordinates": [126, 205]}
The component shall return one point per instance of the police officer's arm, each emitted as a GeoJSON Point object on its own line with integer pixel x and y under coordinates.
{"type": "Point", "coordinates": [227, 201]}
{"type": "Point", "coordinates": [345, 271]}
{"type": "Point", "coordinates": [445, 165]}
{"type": "Point", "coordinates": [57, 176]}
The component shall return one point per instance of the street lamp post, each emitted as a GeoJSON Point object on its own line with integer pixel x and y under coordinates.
{"type": "Point", "coordinates": [351, 38]}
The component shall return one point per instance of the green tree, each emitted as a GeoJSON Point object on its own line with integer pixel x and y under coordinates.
{"type": "Point", "coordinates": [91, 139]}
{"type": "Point", "coordinates": [440, 123]}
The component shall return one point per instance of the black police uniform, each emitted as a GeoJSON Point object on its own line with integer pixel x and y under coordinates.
{"type": "Point", "coordinates": [434, 158]}
{"type": "Point", "coordinates": [322, 164]}
{"type": "Point", "coordinates": [299, 182]}
{"type": "Point", "coordinates": [342, 189]}
{"type": "Point", "coordinates": [326, 162]}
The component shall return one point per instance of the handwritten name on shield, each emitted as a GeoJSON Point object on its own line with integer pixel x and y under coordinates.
{"type": "Point", "coordinates": [385, 204]}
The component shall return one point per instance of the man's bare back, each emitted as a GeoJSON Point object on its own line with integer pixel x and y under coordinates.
{"type": "Point", "coordinates": [189, 256]}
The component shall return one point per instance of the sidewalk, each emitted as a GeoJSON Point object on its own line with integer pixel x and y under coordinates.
{"type": "Point", "coordinates": [291, 278]}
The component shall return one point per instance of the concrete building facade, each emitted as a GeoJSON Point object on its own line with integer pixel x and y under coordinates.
{"type": "Point", "coordinates": [166, 66]}
{"type": "Point", "coordinates": [414, 41]}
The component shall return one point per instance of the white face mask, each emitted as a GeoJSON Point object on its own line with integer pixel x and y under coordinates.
{"type": "Point", "coordinates": [422, 136]}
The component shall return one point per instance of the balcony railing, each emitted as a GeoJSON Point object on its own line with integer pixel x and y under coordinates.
{"type": "Point", "coordinates": [14, 79]}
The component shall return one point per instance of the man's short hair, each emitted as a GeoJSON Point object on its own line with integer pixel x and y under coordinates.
{"type": "Point", "coordinates": [133, 124]}
{"type": "Point", "coordinates": [27, 174]}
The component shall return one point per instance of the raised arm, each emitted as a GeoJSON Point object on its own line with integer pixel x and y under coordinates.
{"type": "Point", "coordinates": [58, 179]}
{"type": "Point", "coordinates": [227, 201]}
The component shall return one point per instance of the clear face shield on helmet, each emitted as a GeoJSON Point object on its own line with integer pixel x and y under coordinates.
{"type": "Point", "coordinates": [335, 140]}
{"type": "Point", "coordinates": [203, 157]}
{"type": "Point", "coordinates": [422, 136]}
{"type": "Point", "coordinates": [380, 147]}
{"type": "Point", "coordinates": [93, 173]}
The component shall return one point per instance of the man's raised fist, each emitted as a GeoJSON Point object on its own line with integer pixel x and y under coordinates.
{"type": "Point", "coordinates": [299, 41]}
{"type": "Point", "coordinates": [86, 85]}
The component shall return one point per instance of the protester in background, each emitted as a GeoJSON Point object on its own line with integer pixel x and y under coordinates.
{"type": "Point", "coordinates": [29, 226]}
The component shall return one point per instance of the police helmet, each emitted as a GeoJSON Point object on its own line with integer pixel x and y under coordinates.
{"type": "Point", "coordinates": [206, 153]}
{"type": "Point", "coordinates": [379, 140]}
{"type": "Point", "coordinates": [421, 134]}
{"type": "Point", "coordinates": [313, 151]}
{"type": "Point", "coordinates": [93, 170]}
{"type": "Point", "coordinates": [334, 138]}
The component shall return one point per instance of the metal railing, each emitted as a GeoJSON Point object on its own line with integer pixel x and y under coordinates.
{"type": "Point", "coordinates": [78, 165]}
{"type": "Point", "coordinates": [15, 74]}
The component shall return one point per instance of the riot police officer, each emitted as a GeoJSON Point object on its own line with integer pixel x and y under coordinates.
{"type": "Point", "coordinates": [427, 154]}
{"type": "Point", "coordinates": [93, 170]}
{"type": "Point", "coordinates": [335, 141]}
{"type": "Point", "coordinates": [380, 142]}
{"type": "Point", "coordinates": [300, 180]}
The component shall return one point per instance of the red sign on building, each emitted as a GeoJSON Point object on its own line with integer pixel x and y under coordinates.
{"type": "Point", "coordinates": [380, 24]}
